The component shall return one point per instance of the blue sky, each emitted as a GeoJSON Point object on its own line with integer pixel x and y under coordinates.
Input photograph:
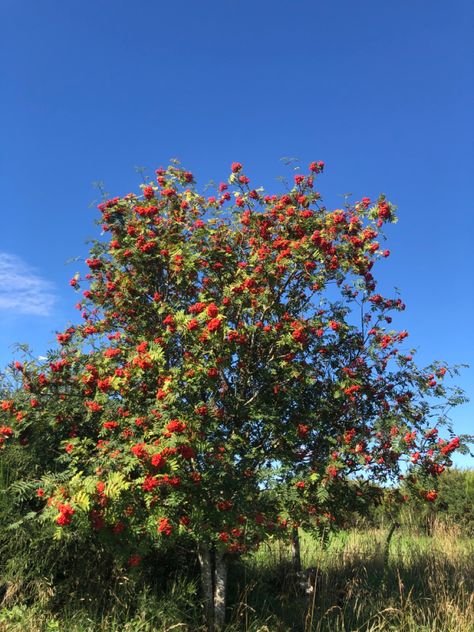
{"type": "Point", "coordinates": [382, 92]}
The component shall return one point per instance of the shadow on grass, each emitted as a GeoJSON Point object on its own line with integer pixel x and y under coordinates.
{"type": "Point", "coordinates": [423, 590]}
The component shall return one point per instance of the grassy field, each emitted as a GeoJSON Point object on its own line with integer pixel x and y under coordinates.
{"type": "Point", "coordinates": [424, 584]}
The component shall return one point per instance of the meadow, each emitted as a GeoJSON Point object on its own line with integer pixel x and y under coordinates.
{"type": "Point", "coordinates": [418, 583]}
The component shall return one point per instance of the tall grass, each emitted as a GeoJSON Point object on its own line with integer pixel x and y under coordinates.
{"type": "Point", "coordinates": [421, 584]}
{"type": "Point", "coordinates": [424, 584]}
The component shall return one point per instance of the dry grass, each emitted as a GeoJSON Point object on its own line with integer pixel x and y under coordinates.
{"type": "Point", "coordinates": [422, 584]}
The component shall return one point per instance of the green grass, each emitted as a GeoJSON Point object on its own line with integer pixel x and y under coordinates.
{"type": "Point", "coordinates": [426, 585]}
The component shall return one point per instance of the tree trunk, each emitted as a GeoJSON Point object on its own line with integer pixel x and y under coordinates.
{"type": "Point", "coordinates": [205, 562]}
{"type": "Point", "coordinates": [296, 550]}
{"type": "Point", "coordinates": [214, 586]}
{"type": "Point", "coordinates": [386, 550]}
{"type": "Point", "coordinates": [220, 590]}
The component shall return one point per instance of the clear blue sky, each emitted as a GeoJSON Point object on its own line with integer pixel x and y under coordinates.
{"type": "Point", "coordinates": [381, 91]}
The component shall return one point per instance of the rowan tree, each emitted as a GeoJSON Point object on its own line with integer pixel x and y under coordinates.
{"type": "Point", "coordinates": [235, 375]}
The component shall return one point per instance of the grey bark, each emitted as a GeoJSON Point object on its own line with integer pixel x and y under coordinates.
{"type": "Point", "coordinates": [296, 550]}
{"type": "Point", "coordinates": [220, 590]}
{"type": "Point", "coordinates": [205, 562]}
{"type": "Point", "coordinates": [214, 586]}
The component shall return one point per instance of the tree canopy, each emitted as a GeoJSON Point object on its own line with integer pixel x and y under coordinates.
{"type": "Point", "coordinates": [235, 372]}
